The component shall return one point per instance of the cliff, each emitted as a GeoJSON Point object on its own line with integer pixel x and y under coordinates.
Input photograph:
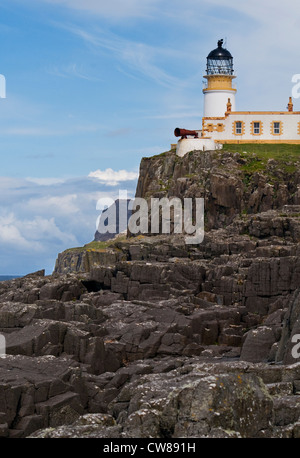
{"type": "Point", "coordinates": [147, 336]}
{"type": "Point", "coordinates": [238, 189]}
{"type": "Point", "coordinates": [231, 183]}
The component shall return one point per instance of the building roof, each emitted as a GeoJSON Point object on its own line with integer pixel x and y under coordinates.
{"type": "Point", "coordinates": [219, 53]}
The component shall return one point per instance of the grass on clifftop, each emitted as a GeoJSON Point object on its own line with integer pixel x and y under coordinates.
{"type": "Point", "coordinates": [257, 155]}
{"type": "Point", "coordinates": [98, 246]}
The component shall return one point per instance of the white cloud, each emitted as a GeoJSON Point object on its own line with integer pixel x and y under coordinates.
{"type": "Point", "coordinates": [45, 229]}
{"type": "Point", "coordinates": [58, 205]}
{"type": "Point", "coordinates": [31, 235]}
{"type": "Point", "coordinates": [41, 217]}
{"type": "Point", "coordinates": [11, 236]}
{"type": "Point", "coordinates": [271, 39]}
{"type": "Point", "coordinates": [8, 183]}
{"type": "Point", "coordinates": [112, 177]}
{"type": "Point", "coordinates": [140, 58]}
{"type": "Point", "coordinates": [71, 70]}
{"type": "Point", "coordinates": [115, 9]}
{"type": "Point", "coordinates": [45, 181]}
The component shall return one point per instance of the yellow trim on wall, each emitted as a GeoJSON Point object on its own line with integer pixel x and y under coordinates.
{"type": "Point", "coordinates": [210, 127]}
{"type": "Point", "coordinates": [213, 117]}
{"type": "Point", "coordinates": [272, 128]}
{"type": "Point", "coordinates": [203, 133]}
{"type": "Point", "coordinates": [219, 82]}
{"type": "Point", "coordinates": [234, 128]}
{"type": "Point", "coordinates": [220, 127]}
{"type": "Point", "coordinates": [298, 130]}
{"type": "Point", "coordinates": [289, 113]}
{"type": "Point", "coordinates": [290, 142]}
{"type": "Point", "coordinates": [221, 89]}
{"type": "Point", "coordinates": [260, 128]}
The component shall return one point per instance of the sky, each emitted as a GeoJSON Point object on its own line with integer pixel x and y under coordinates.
{"type": "Point", "coordinates": [94, 86]}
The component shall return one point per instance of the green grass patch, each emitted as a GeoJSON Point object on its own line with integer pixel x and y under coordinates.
{"type": "Point", "coordinates": [258, 155]}
{"type": "Point", "coordinates": [97, 246]}
{"type": "Point", "coordinates": [269, 149]}
{"type": "Point", "coordinates": [158, 155]}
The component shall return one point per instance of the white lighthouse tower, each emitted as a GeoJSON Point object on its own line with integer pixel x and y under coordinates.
{"type": "Point", "coordinates": [219, 76]}
{"type": "Point", "coordinates": [222, 124]}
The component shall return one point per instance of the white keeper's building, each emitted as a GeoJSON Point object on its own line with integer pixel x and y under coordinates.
{"type": "Point", "coordinates": [222, 124]}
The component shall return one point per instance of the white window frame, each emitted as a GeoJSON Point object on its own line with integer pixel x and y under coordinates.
{"type": "Point", "coordinates": [277, 128]}
{"type": "Point", "coordinates": [256, 127]}
{"type": "Point", "coordinates": [238, 127]}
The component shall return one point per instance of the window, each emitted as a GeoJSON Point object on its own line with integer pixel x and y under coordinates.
{"type": "Point", "coordinates": [276, 128]}
{"type": "Point", "coordinates": [256, 128]}
{"type": "Point", "coordinates": [238, 128]}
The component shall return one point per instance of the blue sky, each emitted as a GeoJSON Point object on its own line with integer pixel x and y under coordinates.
{"type": "Point", "coordinates": [96, 85]}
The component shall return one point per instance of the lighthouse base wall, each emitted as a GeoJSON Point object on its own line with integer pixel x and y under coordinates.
{"type": "Point", "coordinates": [185, 145]}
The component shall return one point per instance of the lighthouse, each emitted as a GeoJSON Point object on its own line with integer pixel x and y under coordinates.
{"type": "Point", "coordinates": [222, 124]}
{"type": "Point", "coordinates": [218, 89]}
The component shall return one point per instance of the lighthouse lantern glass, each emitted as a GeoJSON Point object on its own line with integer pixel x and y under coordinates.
{"type": "Point", "coordinates": [219, 61]}
{"type": "Point", "coordinates": [220, 66]}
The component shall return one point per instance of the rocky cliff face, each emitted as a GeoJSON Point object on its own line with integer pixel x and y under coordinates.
{"type": "Point", "coordinates": [231, 183]}
{"type": "Point", "coordinates": [150, 337]}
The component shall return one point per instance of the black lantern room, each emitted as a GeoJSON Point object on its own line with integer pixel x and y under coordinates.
{"type": "Point", "coordinates": [219, 61]}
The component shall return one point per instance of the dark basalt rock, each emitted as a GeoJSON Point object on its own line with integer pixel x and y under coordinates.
{"type": "Point", "coordinates": [156, 338]}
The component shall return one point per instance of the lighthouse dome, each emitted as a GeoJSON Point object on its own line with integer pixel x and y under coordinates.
{"type": "Point", "coordinates": [219, 61]}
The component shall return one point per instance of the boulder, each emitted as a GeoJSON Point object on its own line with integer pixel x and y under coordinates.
{"type": "Point", "coordinates": [257, 344]}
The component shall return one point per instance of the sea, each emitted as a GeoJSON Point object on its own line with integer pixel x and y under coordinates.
{"type": "Point", "coordinates": [8, 277]}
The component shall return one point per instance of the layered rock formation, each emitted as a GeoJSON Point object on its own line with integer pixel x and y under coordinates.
{"type": "Point", "coordinates": [151, 337]}
{"type": "Point", "coordinates": [110, 224]}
